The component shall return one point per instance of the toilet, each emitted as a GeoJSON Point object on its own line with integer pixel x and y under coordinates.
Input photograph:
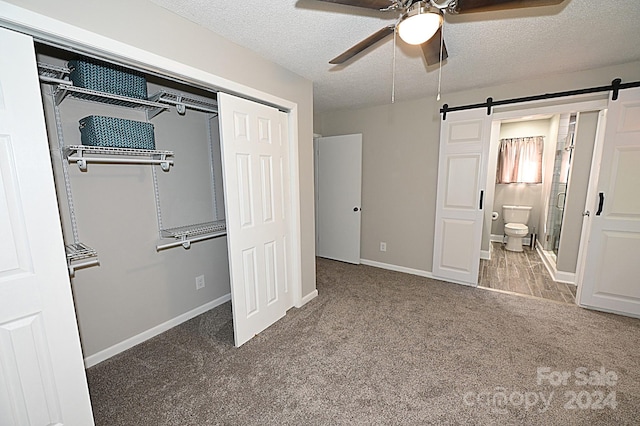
{"type": "Point", "coordinates": [515, 220]}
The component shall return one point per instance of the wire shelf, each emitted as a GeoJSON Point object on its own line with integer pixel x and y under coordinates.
{"type": "Point", "coordinates": [182, 101]}
{"type": "Point", "coordinates": [84, 154]}
{"type": "Point", "coordinates": [181, 232]}
{"type": "Point", "coordinates": [80, 256]}
{"type": "Point", "coordinates": [63, 90]}
{"type": "Point", "coordinates": [79, 251]}
{"type": "Point", "coordinates": [53, 71]}
{"type": "Point", "coordinates": [107, 150]}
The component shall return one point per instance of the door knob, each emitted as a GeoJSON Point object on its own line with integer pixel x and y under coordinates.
{"type": "Point", "coordinates": [355, 209]}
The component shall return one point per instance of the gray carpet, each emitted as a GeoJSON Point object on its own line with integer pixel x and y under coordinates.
{"type": "Point", "coordinates": [381, 347]}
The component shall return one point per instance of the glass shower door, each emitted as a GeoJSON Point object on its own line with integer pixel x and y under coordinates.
{"type": "Point", "coordinates": [558, 194]}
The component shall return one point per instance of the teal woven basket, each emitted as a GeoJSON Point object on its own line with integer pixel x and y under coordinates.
{"type": "Point", "coordinates": [114, 132]}
{"type": "Point", "coordinates": [104, 77]}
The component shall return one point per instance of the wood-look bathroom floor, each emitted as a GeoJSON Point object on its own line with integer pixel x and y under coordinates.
{"type": "Point", "coordinates": [523, 273]}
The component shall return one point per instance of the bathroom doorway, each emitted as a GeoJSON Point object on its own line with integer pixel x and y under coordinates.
{"type": "Point", "coordinates": [553, 242]}
{"type": "Point", "coordinates": [522, 272]}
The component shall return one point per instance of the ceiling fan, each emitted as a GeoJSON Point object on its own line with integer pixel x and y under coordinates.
{"type": "Point", "coordinates": [420, 21]}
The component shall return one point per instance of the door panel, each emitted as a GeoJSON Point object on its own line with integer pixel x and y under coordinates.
{"type": "Point", "coordinates": [457, 241]}
{"type": "Point", "coordinates": [462, 186]}
{"type": "Point", "coordinates": [464, 142]}
{"type": "Point", "coordinates": [42, 379]}
{"type": "Point", "coordinates": [611, 271]}
{"type": "Point", "coordinates": [620, 250]}
{"type": "Point", "coordinates": [254, 138]}
{"type": "Point", "coordinates": [338, 197]}
{"type": "Point", "coordinates": [623, 192]}
{"type": "Point", "coordinates": [30, 376]}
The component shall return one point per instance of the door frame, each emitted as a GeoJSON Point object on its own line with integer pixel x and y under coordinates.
{"type": "Point", "coordinates": [579, 103]}
{"type": "Point", "coordinates": [317, 177]}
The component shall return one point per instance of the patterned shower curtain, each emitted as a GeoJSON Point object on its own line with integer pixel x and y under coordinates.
{"type": "Point", "coordinates": [520, 160]}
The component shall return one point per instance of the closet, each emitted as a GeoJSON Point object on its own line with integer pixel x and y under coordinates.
{"type": "Point", "coordinates": [131, 288]}
{"type": "Point", "coordinates": [189, 203]}
{"type": "Point", "coordinates": [145, 229]}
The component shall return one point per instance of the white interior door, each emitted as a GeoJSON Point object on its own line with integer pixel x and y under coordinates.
{"type": "Point", "coordinates": [42, 378]}
{"type": "Point", "coordinates": [338, 197]}
{"type": "Point", "coordinates": [611, 273]}
{"type": "Point", "coordinates": [462, 169]}
{"type": "Point", "coordinates": [255, 152]}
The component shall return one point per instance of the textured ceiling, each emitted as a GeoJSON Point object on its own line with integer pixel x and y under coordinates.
{"type": "Point", "coordinates": [485, 49]}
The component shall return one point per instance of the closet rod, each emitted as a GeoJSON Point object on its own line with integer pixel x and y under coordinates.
{"type": "Point", "coordinates": [79, 265]}
{"type": "Point", "coordinates": [83, 161]}
{"type": "Point", "coordinates": [615, 86]}
{"type": "Point", "coordinates": [189, 105]}
{"type": "Point", "coordinates": [53, 80]}
{"type": "Point", "coordinates": [187, 243]}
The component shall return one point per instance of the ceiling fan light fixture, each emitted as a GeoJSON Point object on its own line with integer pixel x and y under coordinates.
{"type": "Point", "coordinates": [420, 23]}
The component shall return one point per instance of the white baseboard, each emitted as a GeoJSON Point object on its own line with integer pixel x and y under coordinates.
{"type": "Point", "coordinates": [485, 254]}
{"type": "Point", "coordinates": [152, 332]}
{"type": "Point", "coordinates": [497, 238]}
{"type": "Point", "coordinates": [551, 268]}
{"type": "Point", "coordinates": [566, 277]}
{"type": "Point", "coordinates": [559, 276]}
{"type": "Point", "coordinates": [308, 298]}
{"type": "Point", "coordinates": [396, 268]}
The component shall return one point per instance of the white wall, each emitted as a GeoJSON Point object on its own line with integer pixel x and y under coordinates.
{"type": "Point", "coordinates": [400, 159]}
{"type": "Point", "coordinates": [147, 303]}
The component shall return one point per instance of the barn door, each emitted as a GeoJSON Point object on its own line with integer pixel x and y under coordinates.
{"type": "Point", "coordinates": [255, 151]}
{"type": "Point", "coordinates": [611, 271]}
{"type": "Point", "coordinates": [42, 379]}
{"type": "Point", "coordinates": [462, 170]}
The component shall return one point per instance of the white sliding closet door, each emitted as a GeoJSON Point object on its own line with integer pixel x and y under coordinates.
{"type": "Point", "coordinates": [42, 379]}
{"type": "Point", "coordinates": [462, 170]}
{"type": "Point", "coordinates": [255, 152]}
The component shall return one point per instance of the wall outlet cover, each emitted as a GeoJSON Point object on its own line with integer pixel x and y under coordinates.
{"type": "Point", "coordinates": [199, 282]}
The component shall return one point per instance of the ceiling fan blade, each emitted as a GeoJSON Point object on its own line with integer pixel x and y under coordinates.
{"type": "Point", "coordinates": [364, 44]}
{"type": "Point", "coordinates": [369, 4]}
{"type": "Point", "coordinates": [469, 6]}
{"type": "Point", "coordinates": [431, 49]}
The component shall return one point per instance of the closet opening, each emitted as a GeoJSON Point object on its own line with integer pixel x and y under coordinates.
{"type": "Point", "coordinates": [139, 182]}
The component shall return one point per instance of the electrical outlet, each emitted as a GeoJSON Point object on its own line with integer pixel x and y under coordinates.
{"type": "Point", "coordinates": [199, 282]}
{"type": "Point", "coordinates": [383, 246]}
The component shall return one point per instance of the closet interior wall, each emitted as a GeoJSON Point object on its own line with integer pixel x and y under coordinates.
{"type": "Point", "coordinates": [136, 287]}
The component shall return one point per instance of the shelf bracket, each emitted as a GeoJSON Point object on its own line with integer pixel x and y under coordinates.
{"type": "Point", "coordinates": [152, 112]}
{"type": "Point", "coordinates": [180, 107]}
{"type": "Point", "coordinates": [60, 94]}
{"type": "Point", "coordinates": [186, 243]}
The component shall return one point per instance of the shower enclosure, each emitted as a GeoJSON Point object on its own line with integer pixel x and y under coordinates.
{"type": "Point", "coordinates": [558, 193]}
